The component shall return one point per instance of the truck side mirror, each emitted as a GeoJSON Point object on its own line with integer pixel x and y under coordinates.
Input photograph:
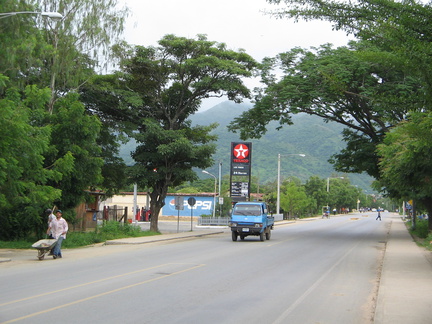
{"type": "Point", "coordinates": [265, 211]}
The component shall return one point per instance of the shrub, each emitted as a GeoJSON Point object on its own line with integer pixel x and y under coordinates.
{"type": "Point", "coordinates": [108, 231]}
{"type": "Point", "coordinates": [421, 229]}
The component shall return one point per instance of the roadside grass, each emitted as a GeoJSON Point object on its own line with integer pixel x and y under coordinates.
{"type": "Point", "coordinates": [421, 233]}
{"type": "Point", "coordinates": [109, 231]}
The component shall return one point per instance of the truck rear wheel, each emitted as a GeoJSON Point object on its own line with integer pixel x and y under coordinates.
{"type": "Point", "coordinates": [268, 235]}
{"type": "Point", "coordinates": [234, 236]}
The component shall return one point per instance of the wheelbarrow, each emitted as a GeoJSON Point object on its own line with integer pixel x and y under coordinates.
{"type": "Point", "coordinates": [44, 246]}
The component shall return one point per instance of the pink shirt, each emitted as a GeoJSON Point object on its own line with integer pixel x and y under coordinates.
{"type": "Point", "coordinates": [58, 226]}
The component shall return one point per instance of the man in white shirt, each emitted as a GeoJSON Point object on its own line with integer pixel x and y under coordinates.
{"type": "Point", "coordinates": [58, 227]}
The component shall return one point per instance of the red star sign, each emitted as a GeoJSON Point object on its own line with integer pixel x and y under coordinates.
{"type": "Point", "coordinates": [241, 151]}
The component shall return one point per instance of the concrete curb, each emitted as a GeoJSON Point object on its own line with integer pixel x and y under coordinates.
{"type": "Point", "coordinates": [158, 238]}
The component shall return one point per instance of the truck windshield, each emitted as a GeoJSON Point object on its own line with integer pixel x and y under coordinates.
{"type": "Point", "coordinates": [247, 210]}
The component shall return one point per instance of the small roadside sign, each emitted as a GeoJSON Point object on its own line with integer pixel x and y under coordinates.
{"type": "Point", "coordinates": [192, 201]}
{"type": "Point", "coordinates": [179, 202]}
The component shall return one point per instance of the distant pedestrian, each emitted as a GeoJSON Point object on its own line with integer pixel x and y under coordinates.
{"type": "Point", "coordinates": [59, 228]}
{"type": "Point", "coordinates": [379, 214]}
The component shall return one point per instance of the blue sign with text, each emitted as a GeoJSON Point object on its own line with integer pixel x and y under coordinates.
{"type": "Point", "coordinates": [203, 206]}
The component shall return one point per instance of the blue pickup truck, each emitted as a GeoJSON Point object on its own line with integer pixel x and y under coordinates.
{"type": "Point", "coordinates": [250, 218]}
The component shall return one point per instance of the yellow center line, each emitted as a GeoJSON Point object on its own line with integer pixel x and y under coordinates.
{"type": "Point", "coordinates": [103, 294]}
{"type": "Point", "coordinates": [279, 242]}
{"type": "Point", "coordinates": [84, 284]}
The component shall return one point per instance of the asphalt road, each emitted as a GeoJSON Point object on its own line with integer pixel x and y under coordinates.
{"type": "Point", "coordinates": [322, 271]}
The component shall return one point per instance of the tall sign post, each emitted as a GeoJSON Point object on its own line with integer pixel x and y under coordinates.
{"type": "Point", "coordinates": [191, 202]}
{"type": "Point", "coordinates": [240, 173]}
{"type": "Point", "coordinates": [179, 205]}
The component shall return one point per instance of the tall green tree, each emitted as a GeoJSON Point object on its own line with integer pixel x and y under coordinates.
{"type": "Point", "coordinates": [24, 48]}
{"type": "Point", "coordinates": [398, 27]}
{"type": "Point", "coordinates": [103, 99]}
{"type": "Point", "coordinates": [315, 187]}
{"type": "Point", "coordinates": [24, 181]}
{"type": "Point", "coordinates": [81, 41]}
{"type": "Point", "coordinates": [294, 199]}
{"type": "Point", "coordinates": [354, 86]}
{"type": "Point", "coordinates": [406, 164]}
{"type": "Point", "coordinates": [171, 80]}
{"type": "Point", "coordinates": [388, 75]}
{"type": "Point", "coordinates": [401, 33]}
{"type": "Point", "coordinates": [165, 158]}
{"type": "Point", "coordinates": [61, 55]}
{"type": "Point", "coordinates": [342, 194]}
{"type": "Point", "coordinates": [74, 146]}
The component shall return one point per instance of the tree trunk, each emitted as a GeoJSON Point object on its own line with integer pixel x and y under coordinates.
{"type": "Point", "coordinates": [154, 212]}
{"type": "Point", "coordinates": [157, 201]}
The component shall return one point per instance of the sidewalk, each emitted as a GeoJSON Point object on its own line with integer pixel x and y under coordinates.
{"type": "Point", "coordinates": [405, 291]}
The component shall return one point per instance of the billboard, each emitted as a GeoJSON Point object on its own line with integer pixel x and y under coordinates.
{"type": "Point", "coordinates": [203, 206]}
{"type": "Point", "coordinates": [241, 156]}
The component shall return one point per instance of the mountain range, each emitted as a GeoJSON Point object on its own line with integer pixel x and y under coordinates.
{"type": "Point", "coordinates": [308, 135]}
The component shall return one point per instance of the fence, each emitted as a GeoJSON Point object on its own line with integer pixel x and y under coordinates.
{"type": "Point", "coordinates": [115, 213]}
{"type": "Point", "coordinates": [213, 221]}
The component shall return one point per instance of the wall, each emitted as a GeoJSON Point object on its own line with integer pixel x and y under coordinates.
{"type": "Point", "coordinates": [203, 206]}
{"type": "Point", "coordinates": [126, 199]}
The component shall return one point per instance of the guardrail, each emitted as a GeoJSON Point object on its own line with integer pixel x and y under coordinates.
{"type": "Point", "coordinates": [278, 217]}
{"type": "Point", "coordinates": [224, 221]}
{"type": "Point", "coordinates": [213, 221]}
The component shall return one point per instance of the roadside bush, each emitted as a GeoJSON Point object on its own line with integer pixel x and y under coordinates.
{"type": "Point", "coordinates": [109, 231]}
{"type": "Point", "coordinates": [421, 229]}
{"type": "Point", "coordinates": [113, 230]}
{"type": "Point", "coordinates": [24, 243]}
{"type": "Point", "coordinates": [77, 239]}
{"type": "Point", "coordinates": [421, 233]}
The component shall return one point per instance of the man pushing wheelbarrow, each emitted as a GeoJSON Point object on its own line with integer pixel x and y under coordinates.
{"type": "Point", "coordinates": [58, 227]}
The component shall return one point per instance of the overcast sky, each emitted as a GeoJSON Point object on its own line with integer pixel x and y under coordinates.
{"type": "Point", "coordinates": [239, 24]}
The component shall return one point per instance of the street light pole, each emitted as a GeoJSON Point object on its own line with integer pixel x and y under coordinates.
{"type": "Point", "coordinates": [52, 15]}
{"type": "Point", "coordinates": [220, 185]}
{"type": "Point", "coordinates": [220, 177]}
{"type": "Point", "coordinates": [214, 196]}
{"type": "Point", "coordinates": [278, 186]}
{"type": "Point", "coordinates": [279, 180]}
{"type": "Point", "coordinates": [328, 188]}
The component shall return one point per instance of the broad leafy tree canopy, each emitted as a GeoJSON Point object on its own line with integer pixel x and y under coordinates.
{"type": "Point", "coordinates": [354, 86]}
{"type": "Point", "coordinates": [168, 83]}
{"type": "Point", "coordinates": [24, 180]}
{"type": "Point", "coordinates": [368, 86]}
{"type": "Point", "coordinates": [56, 156]}
{"type": "Point", "coordinates": [173, 78]}
{"type": "Point", "coordinates": [406, 161]}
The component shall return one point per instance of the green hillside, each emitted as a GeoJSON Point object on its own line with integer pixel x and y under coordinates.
{"type": "Point", "coordinates": [309, 135]}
